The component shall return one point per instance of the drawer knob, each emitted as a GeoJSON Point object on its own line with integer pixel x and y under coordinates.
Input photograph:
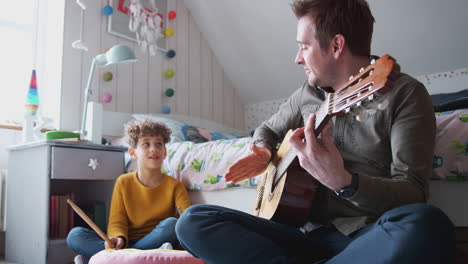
{"type": "Point", "coordinates": [93, 163]}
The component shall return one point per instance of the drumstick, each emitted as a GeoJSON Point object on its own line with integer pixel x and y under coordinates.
{"type": "Point", "coordinates": [90, 222]}
{"type": "Point", "coordinates": [179, 210]}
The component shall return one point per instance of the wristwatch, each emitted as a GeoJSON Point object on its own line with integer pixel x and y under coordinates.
{"type": "Point", "coordinates": [350, 190]}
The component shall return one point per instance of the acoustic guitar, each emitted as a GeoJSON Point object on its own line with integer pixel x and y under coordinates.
{"type": "Point", "coordinates": [286, 191]}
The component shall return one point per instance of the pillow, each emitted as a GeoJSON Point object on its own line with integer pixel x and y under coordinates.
{"type": "Point", "coordinates": [201, 166]}
{"type": "Point", "coordinates": [443, 98]}
{"type": "Point", "coordinates": [451, 146]}
{"type": "Point", "coordinates": [174, 125]}
{"type": "Point", "coordinates": [137, 256]}
{"type": "Point", "coordinates": [201, 135]}
{"type": "Point", "coordinates": [450, 101]}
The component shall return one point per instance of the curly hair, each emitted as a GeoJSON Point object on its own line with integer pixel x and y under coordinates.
{"type": "Point", "coordinates": [145, 128]}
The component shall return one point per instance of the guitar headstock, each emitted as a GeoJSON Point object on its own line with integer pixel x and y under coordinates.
{"type": "Point", "coordinates": [374, 80]}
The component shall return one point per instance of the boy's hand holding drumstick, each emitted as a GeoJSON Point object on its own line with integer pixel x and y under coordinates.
{"type": "Point", "coordinates": [112, 242]}
{"type": "Point", "coordinates": [118, 243]}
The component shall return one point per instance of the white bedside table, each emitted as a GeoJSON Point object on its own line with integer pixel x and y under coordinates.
{"type": "Point", "coordinates": [38, 169]}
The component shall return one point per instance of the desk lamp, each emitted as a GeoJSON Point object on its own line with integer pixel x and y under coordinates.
{"type": "Point", "coordinates": [115, 55]}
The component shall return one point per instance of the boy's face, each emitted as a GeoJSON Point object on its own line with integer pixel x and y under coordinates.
{"type": "Point", "coordinates": [149, 152]}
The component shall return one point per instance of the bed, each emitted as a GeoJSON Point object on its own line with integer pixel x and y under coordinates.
{"type": "Point", "coordinates": [200, 152]}
{"type": "Point", "coordinates": [200, 163]}
{"type": "Point", "coordinates": [199, 166]}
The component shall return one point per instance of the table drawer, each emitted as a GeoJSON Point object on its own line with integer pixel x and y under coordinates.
{"type": "Point", "coordinates": [75, 163]}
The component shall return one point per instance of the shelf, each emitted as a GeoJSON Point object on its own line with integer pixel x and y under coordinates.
{"type": "Point", "coordinates": [57, 241]}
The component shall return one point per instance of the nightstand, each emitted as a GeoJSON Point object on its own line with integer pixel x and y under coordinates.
{"type": "Point", "coordinates": [37, 170]}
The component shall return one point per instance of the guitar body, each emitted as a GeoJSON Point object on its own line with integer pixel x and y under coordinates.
{"type": "Point", "coordinates": [288, 200]}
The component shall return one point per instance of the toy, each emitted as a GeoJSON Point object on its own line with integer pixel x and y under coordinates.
{"type": "Point", "coordinates": [107, 76]}
{"type": "Point", "coordinates": [169, 92]}
{"type": "Point", "coordinates": [172, 14]}
{"type": "Point", "coordinates": [80, 44]}
{"type": "Point", "coordinates": [106, 98]}
{"type": "Point", "coordinates": [32, 99]}
{"type": "Point", "coordinates": [41, 123]}
{"type": "Point", "coordinates": [146, 23]}
{"type": "Point", "coordinates": [107, 10]}
{"type": "Point", "coordinates": [30, 110]}
{"type": "Point", "coordinates": [170, 53]}
{"type": "Point", "coordinates": [169, 32]}
{"type": "Point", "coordinates": [169, 73]}
{"type": "Point", "coordinates": [51, 135]}
{"type": "Point", "coordinates": [166, 109]}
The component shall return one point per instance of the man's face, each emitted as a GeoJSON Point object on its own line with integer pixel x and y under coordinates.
{"type": "Point", "coordinates": [149, 152]}
{"type": "Point", "coordinates": [317, 63]}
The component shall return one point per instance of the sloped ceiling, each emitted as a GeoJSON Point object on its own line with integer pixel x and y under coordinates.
{"type": "Point", "coordinates": [255, 40]}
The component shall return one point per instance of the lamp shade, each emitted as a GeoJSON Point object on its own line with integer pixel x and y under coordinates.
{"type": "Point", "coordinates": [117, 54]}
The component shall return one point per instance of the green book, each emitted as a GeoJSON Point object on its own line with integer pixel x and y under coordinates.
{"type": "Point", "coordinates": [100, 215]}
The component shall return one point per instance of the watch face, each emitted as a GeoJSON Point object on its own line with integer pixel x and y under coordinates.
{"type": "Point", "coordinates": [346, 192]}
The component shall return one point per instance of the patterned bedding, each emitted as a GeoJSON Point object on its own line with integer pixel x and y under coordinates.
{"type": "Point", "coordinates": [451, 149]}
{"type": "Point", "coordinates": [201, 166]}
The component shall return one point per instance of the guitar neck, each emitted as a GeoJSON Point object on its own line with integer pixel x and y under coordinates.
{"type": "Point", "coordinates": [322, 116]}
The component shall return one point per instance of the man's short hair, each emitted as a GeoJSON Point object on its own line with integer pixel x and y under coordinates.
{"type": "Point", "coordinates": [350, 18]}
{"type": "Point", "coordinates": [145, 128]}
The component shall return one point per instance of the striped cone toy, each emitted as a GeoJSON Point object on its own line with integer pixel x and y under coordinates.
{"type": "Point", "coordinates": [32, 100]}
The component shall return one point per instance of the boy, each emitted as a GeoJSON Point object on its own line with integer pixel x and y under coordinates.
{"type": "Point", "coordinates": [143, 202]}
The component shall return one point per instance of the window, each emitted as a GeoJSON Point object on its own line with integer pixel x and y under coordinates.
{"type": "Point", "coordinates": [18, 27]}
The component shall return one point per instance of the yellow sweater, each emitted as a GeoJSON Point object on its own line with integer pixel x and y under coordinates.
{"type": "Point", "coordinates": [136, 210]}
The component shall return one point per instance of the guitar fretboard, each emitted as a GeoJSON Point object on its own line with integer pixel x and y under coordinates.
{"type": "Point", "coordinates": [322, 116]}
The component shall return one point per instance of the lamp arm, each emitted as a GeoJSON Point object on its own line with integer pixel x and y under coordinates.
{"type": "Point", "coordinates": [87, 93]}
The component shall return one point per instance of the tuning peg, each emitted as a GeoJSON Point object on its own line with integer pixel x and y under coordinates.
{"type": "Point", "coordinates": [358, 104]}
{"type": "Point", "coordinates": [351, 77]}
{"type": "Point", "coordinates": [383, 105]}
{"type": "Point", "coordinates": [362, 116]}
{"type": "Point", "coordinates": [347, 110]}
{"type": "Point", "coordinates": [370, 97]}
{"type": "Point", "coordinates": [372, 61]}
{"type": "Point", "coordinates": [361, 70]}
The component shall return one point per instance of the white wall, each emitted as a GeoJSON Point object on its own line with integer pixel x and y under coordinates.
{"type": "Point", "coordinates": [445, 82]}
{"type": "Point", "coordinates": [255, 41]}
{"type": "Point", "coordinates": [201, 87]}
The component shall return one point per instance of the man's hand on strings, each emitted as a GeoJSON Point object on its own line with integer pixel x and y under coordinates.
{"type": "Point", "coordinates": [320, 158]}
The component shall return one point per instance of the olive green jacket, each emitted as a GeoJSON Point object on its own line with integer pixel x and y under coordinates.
{"type": "Point", "coordinates": [391, 151]}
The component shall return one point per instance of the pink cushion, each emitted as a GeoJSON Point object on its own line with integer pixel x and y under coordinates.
{"type": "Point", "coordinates": [137, 256]}
{"type": "Point", "coordinates": [451, 149]}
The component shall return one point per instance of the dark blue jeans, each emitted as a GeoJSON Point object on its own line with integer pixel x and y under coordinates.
{"type": "Point", "coordinates": [86, 242]}
{"type": "Point", "coordinates": [415, 233]}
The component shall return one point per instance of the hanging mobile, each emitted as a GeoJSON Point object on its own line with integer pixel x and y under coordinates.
{"type": "Point", "coordinates": [80, 44]}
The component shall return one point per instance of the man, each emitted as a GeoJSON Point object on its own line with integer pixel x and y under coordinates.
{"type": "Point", "coordinates": [374, 174]}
